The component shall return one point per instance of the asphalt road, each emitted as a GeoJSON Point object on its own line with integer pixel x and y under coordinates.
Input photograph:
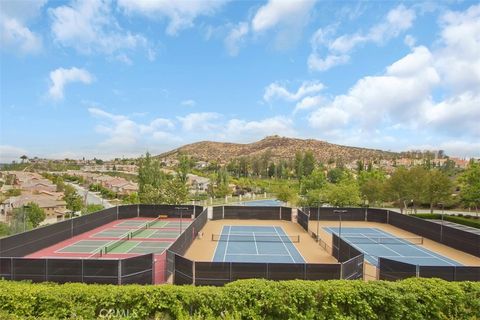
{"type": "Point", "coordinates": [92, 198]}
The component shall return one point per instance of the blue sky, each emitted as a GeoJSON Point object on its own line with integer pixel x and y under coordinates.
{"type": "Point", "coordinates": [117, 78]}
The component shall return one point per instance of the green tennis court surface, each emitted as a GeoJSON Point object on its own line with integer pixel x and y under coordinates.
{"type": "Point", "coordinates": [140, 247]}
{"type": "Point", "coordinates": [85, 246]}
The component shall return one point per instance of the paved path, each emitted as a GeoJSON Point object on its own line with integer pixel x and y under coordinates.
{"type": "Point", "coordinates": [457, 226]}
{"type": "Point", "coordinates": [471, 213]}
{"type": "Point", "coordinates": [92, 198]}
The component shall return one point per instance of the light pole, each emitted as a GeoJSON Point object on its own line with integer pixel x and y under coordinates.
{"type": "Point", "coordinates": [339, 212]}
{"type": "Point", "coordinates": [441, 226]}
{"type": "Point", "coordinates": [25, 207]}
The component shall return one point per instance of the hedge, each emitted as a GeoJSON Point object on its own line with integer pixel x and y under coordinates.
{"type": "Point", "coordinates": [413, 298]}
{"type": "Point", "coordinates": [467, 221]}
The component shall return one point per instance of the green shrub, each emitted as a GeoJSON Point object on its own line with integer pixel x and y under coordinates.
{"type": "Point", "coordinates": [470, 221]}
{"type": "Point", "coordinates": [247, 299]}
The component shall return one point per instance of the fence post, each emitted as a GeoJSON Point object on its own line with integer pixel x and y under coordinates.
{"type": "Point", "coordinates": [46, 269]}
{"type": "Point", "coordinates": [341, 269]}
{"type": "Point", "coordinates": [193, 272]}
{"type": "Point", "coordinates": [119, 271]}
{"type": "Point", "coordinates": [280, 212]}
{"type": "Point", "coordinates": [138, 210]}
{"type": "Point", "coordinates": [223, 212]}
{"type": "Point", "coordinates": [417, 271]}
{"type": "Point", "coordinates": [117, 211]}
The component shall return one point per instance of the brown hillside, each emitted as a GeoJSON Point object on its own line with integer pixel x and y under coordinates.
{"type": "Point", "coordinates": [278, 147]}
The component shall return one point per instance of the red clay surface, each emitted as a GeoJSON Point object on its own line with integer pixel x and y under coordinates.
{"type": "Point", "coordinates": [160, 258]}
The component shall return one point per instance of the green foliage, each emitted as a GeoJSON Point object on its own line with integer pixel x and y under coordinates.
{"type": "Point", "coordinates": [429, 299]}
{"type": "Point", "coordinates": [92, 208]}
{"type": "Point", "coordinates": [132, 198]}
{"type": "Point", "coordinates": [372, 185]}
{"type": "Point", "coordinates": [184, 167]}
{"type": "Point", "coordinates": [156, 187]}
{"type": "Point", "coordinates": [470, 180]}
{"type": "Point", "coordinates": [335, 175]}
{"type": "Point", "coordinates": [72, 198]}
{"type": "Point", "coordinates": [314, 181]}
{"type": "Point", "coordinates": [438, 188]}
{"type": "Point", "coordinates": [465, 220]}
{"type": "Point", "coordinates": [286, 194]}
{"type": "Point", "coordinates": [4, 229]}
{"type": "Point", "coordinates": [31, 214]}
{"type": "Point", "coordinates": [344, 193]}
{"type": "Point", "coordinates": [105, 192]}
{"type": "Point", "coordinates": [13, 192]}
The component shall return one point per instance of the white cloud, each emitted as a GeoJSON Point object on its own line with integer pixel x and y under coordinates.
{"type": "Point", "coordinates": [405, 100]}
{"type": "Point", "coordinates": [121, 131]}
{"type": "Point", "coordinates": [181, 14]}
{"type": "Point", "coordinates": [61, 77]}
{"type": "Point", "coordinates": [236, 37]}
{"type": "Point", "coordinates": [277, 12]}
{"type": "Point", "coordinates": [410, 40]}
{"type": "Point", "coordinates": [242, 131]}
{"type": "Point", "coordinates": [11, 153]}
{"type": "Point", "coordinates": [189, 103]}
{"type": "Point", "coordinates": [200, 122]}
{"type": "Point", "coordinates": [396, 21]}
{"type": "Point", "coordinates": [277, 91]}
{"type": "Point", "coordinates": [14, 32]}
{"type": "Point", "coordinates": [308, 103]}
{"type": "Point", "coordinates": [90, 27]}
{"type": "Point", "coordinates": [396, 96]}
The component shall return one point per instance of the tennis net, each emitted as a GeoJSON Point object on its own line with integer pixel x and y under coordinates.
{"type": "Point", "coordinates": [135, 232]}
{"type": "Point", "coordinates": [109, 247]}
{"type": "Point", "coordinates": [254, 238]}
{"type": "Point", "coordinates": [384, 240]}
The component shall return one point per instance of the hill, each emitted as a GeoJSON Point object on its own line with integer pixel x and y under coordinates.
{"type": "Point", "coordinates": [278, 148]}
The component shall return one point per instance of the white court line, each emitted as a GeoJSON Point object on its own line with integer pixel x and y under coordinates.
{"type": "Point", "coordinates": [228, 240]}
{"type": "Point", "coordinates": [284, 244]}
{"type": "Point", "coordinates": [260, 254]}
{"type": "Point", "coordinates": [216, 247]}
{"type": "Point", "coordinates": [255, 240]}
{"type": "Point", "coordinates": [428, 253]}
{"type": "Point", "coordinates": [382, 246]}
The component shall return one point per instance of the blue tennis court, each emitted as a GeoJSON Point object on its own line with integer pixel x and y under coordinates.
{"type": "Point", "coordinates": [376, 243]}
{"type": "Point", "coordinates": [256, 244]}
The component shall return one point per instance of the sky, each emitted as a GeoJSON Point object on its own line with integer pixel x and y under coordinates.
{"type": "Point", "coordinates": [110, 79]}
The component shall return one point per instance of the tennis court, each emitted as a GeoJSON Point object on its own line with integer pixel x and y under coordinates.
{"type": "Point", "coordinates": [375, 243]}
{"type": "Point", "coordinates": [267, 244]}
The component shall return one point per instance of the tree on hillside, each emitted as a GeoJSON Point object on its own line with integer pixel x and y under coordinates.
{"type": "Point", "coordinates": [335, 175]}
{"type": "Point", "coordinates": [344, 193]}
{"type": "Point", "coordinates": [308, 163]}
{"type": "Point", "coordinates": [372, 185]}
{"type": "Point", "coordinates": [298, 163]}
{"type": "Point", "coordinates": [286, 194]}
{"type": "Point", "coordinates": [470, 182]}
{"type": "Point", "coordinates": [438, 188]}
{"type": "Point", "coordinates": [396, 187]}
{"type": "Point", "coordinates": [184, 167]}
{"type": "Point", "coordinates": [315, 181]}
{"type": "Point", "coordinates": [74, 201]}
{"type": "Point", "coordinates": [24, 158]}
{"type": "Point", "coordinates": [416, 185]}
{"type": "Point", "coordinates": [156, 187]}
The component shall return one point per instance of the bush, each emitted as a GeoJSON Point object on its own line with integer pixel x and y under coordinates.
{"type": "Point", "coordinates": [460, 219]}
{"type": "Point", "coordinates": [246, 299]}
